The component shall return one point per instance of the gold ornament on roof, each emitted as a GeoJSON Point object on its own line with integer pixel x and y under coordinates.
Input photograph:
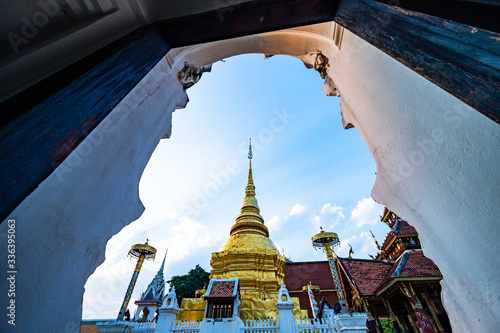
{"type": "Point", "coordinates": [324, 237]}
{"type": "Point", "coordinates": [145, 249]}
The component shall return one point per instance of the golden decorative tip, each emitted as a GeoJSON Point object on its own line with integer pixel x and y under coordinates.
{"type": "Point", "coordinates": [249, 220]}
{"type": "Point", "coordinates": [250, 156]}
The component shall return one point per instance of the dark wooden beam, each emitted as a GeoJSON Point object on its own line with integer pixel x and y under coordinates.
{"type": "Point", "coordinates": [226, 21]}
{"type": "Point", "coordinates": [461, 59]}
{"type": "Point", "coordinates": [34, 141]}
{"type": "Point", "coordinates": [484, 14]}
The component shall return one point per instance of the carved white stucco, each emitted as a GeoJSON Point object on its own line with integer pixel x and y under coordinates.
{"type": "Point", "coordinates": [437, 163]}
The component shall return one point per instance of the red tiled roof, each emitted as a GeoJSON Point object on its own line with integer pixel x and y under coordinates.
{"type": "Point", "coordinates": [367, 275]}
{"type": "Point", "coordinates": [406, 229]}
{"type": "Point", "coordinates": [222, 289]}
{"type": "Point", "coordinates": [300, 274]}
{"type": "Point", "coordinates": [419, 265]}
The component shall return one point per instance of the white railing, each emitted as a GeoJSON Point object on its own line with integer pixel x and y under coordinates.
{"type": "Point", "coordinates": [185, 326]}
{"type": "Point", "coordinates": [310, 325]}
{"type": "Point", "coordinates": [146, 327]}
{"type": "Point", "coordinates": [262, 325]}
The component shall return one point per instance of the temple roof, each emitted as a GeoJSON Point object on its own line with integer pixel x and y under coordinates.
{"type": "Point", "coordinates": [156, 289]}
{"type": "Point", "coordinates": [324, 303]}
{"type": "Point", "coordinates": [404, 229]}
{"type": "Point", "coordinates": [227, 288]}
{"type": "Point", "coordinates": [367, 275]}
{"type": "Point", "coordinates": [415, 265]}
{"type": "Point", "coordinates": [299, 274]}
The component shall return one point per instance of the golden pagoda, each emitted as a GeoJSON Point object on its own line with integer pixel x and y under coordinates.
{"type": "Point", "coordinates": [248, 254]}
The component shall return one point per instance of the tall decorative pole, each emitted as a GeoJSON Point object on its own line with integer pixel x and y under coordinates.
{"type": "Point", "coordinates": [141, 252]}
{"type": "Point", "coordinates": [327, 241]}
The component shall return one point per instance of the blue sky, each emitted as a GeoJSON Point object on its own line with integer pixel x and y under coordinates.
{"type": "Point", "coordinates": [308, 171]}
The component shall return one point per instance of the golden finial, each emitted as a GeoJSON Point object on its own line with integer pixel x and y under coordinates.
{"type": "Point", "coordinates": [250, 212]}
{"type": "Point", "coordinates": [250, 149]}
{"type": "Point", "coordinates": [376, 243]}
{"type": "Point", "coordinates": [250, 189]}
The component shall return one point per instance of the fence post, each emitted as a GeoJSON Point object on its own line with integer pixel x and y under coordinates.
{"type": "Point", "coordinates": [286, 321]}
{"type": "Point", "coordinates": [167, 313]}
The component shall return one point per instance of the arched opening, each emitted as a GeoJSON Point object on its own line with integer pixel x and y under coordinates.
{"type": "Point", "coordinates": [301, 152]}
{"type": "Point", "coordinates": [435, 157]}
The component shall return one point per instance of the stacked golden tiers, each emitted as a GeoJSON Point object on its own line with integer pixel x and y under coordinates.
{"type": "Point", "coordinates": [251, 256]}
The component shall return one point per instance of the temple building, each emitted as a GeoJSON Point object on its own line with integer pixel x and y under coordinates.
{"type": "Point", "coordinates": [152, 298]}
{"type": "Point", "coordinates": [249, 260]}
{"type": "Point", "coordinates": [400, 284]}
{"type": "Point", "coordinates": [249, 274]}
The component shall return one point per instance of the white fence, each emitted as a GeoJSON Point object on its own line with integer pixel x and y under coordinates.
{"type": "Point", "coordinates": [146, 327]}
{"type": "Point", "coordinates": [315, 326]}
{"type": "Point", "coordinates": [184, 326]}
{"type": "Point", "coordinates": [262, 326]}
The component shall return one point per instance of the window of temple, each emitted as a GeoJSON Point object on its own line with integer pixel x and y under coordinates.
{"type": "Point", "coordinates": [220, 309]}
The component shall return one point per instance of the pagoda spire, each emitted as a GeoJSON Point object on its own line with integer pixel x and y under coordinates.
{"type": "Point", "coordinates": [250, 189]}
{"type": "Point", "coordinates": [249, 220]}
{"type": "Point", "coordinates": [162, 267]}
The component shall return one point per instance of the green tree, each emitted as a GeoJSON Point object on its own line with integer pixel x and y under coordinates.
{"type": "Point", "coordinates": [186, 285]}
{"type": "Point", "coordinates": [387, 326]}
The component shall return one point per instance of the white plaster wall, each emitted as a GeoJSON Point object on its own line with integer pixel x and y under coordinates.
{"type": "Point", "coordinates": [447, 189]}
{"type": "Point", "coordinates": [438, 168]}
{"type": "Point", "coordinates": [437, 158]}
{"type": "Point", "coordinates": [62, 228]}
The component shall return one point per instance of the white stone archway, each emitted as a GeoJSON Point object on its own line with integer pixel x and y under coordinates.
{"type": "Point", "coordinates": [436, 158]}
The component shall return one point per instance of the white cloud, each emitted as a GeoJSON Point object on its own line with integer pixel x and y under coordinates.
{"type": "Point", "coordinates": [362, 245]}
{"type": "Point", "coordinates": [184, 237]}
{"type": "Point", "coordinates": [329, 217]}
{"type": "Point", "coordinates": [297, 210]}
{"type": "Point", "coordinates": [366, 212]}
{"type": "Point", "coordinates": [328, 208]}
{"type": "Point", "coordinates": [274, 223]}
{"type": "Point", "coordinates": [187, 236]}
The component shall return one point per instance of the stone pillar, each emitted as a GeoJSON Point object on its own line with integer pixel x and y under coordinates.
{"type": "Point", "coordinates": [392, 317]}
{"type": "Point", "coordinates": [167, 313]}
{"type": "Point", "coordinates": [286, 321]}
